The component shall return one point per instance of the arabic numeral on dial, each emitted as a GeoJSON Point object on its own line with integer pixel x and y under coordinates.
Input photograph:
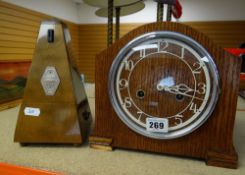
{"type": "Point", "coordinates": [178, 119]}
{"type": "Point", "coordinates": [202, 88]}
{"type": "Point", "coordinates": [127, 102]}
{"type": "Point", "coordinates": [123, 83]}
{"type": "Point", "coordinates": [162, 45]}
{"type": "Point", "coordinates": [139, 114]}
{"type": "Point", "coordinates": [193, 107]}
{"type": "Point", "coordinates": [129, 65]}
{"type": "Point", "coordinates": [182, 53]}
{"type": "Point", "coordinates": [197, 68]}
{"type": "Point", "coordinates": [142, 53]}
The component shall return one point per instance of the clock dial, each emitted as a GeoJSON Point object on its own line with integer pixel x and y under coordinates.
{"type": "Point", "coordinates": [163, 75]}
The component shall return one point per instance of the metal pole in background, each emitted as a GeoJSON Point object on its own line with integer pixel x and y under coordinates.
{"type": "Point", "coordinates": [169, 13]}
{"type": "Point", "coordinates": [159, 12]}
{"type": "Point", "coordinates": [118, 23]}
{"type": "Point", "coordinates": [110, 23]}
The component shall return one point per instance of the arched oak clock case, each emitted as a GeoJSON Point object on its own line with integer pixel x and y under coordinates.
{"type": "Point", "coordinates": [170, 71]}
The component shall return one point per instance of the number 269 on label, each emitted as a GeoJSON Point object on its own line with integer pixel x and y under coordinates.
{"type": "Point", "coordinates": [157, 125]}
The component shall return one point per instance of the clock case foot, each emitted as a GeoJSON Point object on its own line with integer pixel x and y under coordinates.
{"type": "Point", "coordinates": [222, 159]}
{"type": "Point", "coordinates": [213, 158]}
{"type": "Point", "coordinates": [100, 143]}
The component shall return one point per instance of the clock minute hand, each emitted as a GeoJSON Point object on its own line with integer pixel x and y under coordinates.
{"type": "Point", "coordinates": [184, 94]}
{"type": "Point", "coordinates": [181, 89]}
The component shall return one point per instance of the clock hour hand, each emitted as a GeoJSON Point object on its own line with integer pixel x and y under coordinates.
{"type": "Point", "coordinates": [181, 89]}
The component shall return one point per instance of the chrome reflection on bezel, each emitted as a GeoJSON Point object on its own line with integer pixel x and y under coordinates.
{"type": "Point", "coordinates": [164, 35]}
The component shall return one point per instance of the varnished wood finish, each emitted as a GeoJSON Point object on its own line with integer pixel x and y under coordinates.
{"type": "Point", "coordinates": [228, 34]}
{"type": "Point", "coordinates": [213, 141]}
{"type": "Point", "coordinates": [153, 69]}
{"type": "Point", "coordinates": [100, 143]}
{"type": "Point", "coordinates": [19, 29]}
{"type": "Point", "coordinates": [65, 116]}
{"type": "Point", "coordinates": [242, 81]}
{"type": "Point", "coordinates": [221, 159]}
{"type": "Point", "coordinates": [242, 86]}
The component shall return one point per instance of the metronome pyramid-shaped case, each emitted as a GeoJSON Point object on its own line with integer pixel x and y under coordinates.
{"type": "Point", "coordinates": [55, 108]}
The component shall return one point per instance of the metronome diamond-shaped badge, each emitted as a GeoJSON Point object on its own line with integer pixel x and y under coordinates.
{"type": "Point", "coordinates": [50, 80]}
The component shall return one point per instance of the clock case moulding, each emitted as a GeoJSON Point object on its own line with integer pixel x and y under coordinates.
{"type": "Point", "coordinates": [213, 141]}
{"type": "Point", "coordinates": [64, 113]}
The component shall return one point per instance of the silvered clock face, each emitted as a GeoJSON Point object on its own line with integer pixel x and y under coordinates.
{"type": "Point", "coordinates": [163, 85]}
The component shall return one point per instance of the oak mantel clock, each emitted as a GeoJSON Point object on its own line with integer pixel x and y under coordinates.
{"type": "Point", "coordinates": [55, 107]}
{"type": "Point", "coordinates": [170, 90]}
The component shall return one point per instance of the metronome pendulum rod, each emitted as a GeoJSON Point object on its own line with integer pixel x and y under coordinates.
{"type": "Point", "coordinates": [110, 23]}
{"type": "Point", "coordinates": [159, 12]}
{"type": "Point", "coordinates": [118, 9]}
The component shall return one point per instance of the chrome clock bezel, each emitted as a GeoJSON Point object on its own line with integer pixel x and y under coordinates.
{"type": "Point", "coordinates": [162, 35]}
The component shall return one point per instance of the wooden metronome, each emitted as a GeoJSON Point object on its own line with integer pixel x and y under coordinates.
{"type": "Point", "coordinates": [55, 107]}
{"type": "Point", "coordinates": [170, 90]}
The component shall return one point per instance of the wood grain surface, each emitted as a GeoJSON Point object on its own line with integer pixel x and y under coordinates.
{"type": "Point", "coordinates": [65, 116]}
{"type": "Point", "coordinates": [227, 34]}
{"type": "Point", "coordinates": [213, 141]}
{"type": "Point", "coordinates": [19, 28]}
{"type": "Point", "coordinates": [155, 68]}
